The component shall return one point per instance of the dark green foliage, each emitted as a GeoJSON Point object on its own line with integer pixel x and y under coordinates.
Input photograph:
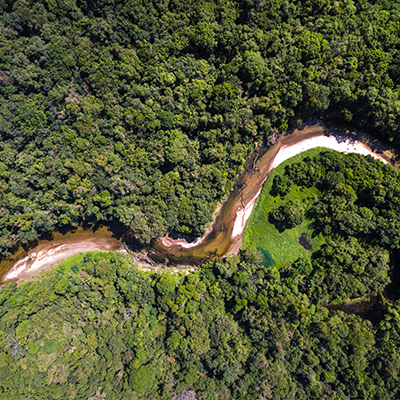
{"type": "Point", "coordinates": [347, 269]}
{"type": "Point", "coordinates": [144, 112]}
{"type": "Point", "coordinates": [281, 185]}
{"type": "Point", "coordinates": [356, 210]}
{"type": "Point", "coordinates": [288, 216]}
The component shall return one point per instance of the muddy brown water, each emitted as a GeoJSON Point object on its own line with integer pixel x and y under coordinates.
{"type": "Point", "coordinates": [219, 240]}
{"type": "Point", "coordinates": [56, 247]}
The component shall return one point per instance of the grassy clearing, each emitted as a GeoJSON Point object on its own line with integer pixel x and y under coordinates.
{"type": "Point", "coordinates": [281, 248]}
{"type": "Point", "coordinates": [69, 263]}
{"type": "Point", "coordinates": [74, 261]}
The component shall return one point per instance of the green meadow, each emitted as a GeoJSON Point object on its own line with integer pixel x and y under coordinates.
{"type": "Point", "coordinates": [72, 263]}
{"type": "Point", "coordinates": [282, 248]}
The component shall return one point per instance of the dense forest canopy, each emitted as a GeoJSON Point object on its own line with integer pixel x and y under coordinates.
{"type": "Point", "coordinates": [99, 328]}
{"type": "Point", "coordinates": [144, 111]}
{"type": "Point", "coordinates": [353, 211]}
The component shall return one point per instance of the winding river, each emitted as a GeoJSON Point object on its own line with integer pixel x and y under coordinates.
{"type": "Point", "coordinates": [57, 247]}
{"type": "Point", "coordinates": [225, 234]}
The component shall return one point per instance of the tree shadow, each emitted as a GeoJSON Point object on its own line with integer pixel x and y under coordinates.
{"type": "Point", "coordinates": [281, 226]}
{"type": "Point", "coordinates": [304, 241]}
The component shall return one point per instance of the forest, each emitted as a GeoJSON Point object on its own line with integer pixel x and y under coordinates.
{"type": "Point", "coordinates": [142, 113]}
{"type": "Point", "coordinates": [98, 327]}
{"type": "Point", "coordinates": [353, 212]}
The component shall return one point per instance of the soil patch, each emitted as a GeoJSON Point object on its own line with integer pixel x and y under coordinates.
{"type": "Point", "coordinates": [304, 240]}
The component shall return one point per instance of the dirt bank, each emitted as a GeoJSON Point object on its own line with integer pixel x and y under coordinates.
{"type": "Point", "coordinates": [225, 233]}
{"type": "Point", "coordinates": [246, 191]}
{"type": "Point", "coordinates": [345, 145]}
{"type": "Point", "coordinates": [58, 249]}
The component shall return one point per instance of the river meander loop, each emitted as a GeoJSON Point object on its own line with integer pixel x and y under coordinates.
{"type": "Point", "coordinates": [225, 233]}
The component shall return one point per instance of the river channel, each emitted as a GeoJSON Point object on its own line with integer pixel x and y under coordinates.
{"type": "Point", "coordinates": [225, 234]}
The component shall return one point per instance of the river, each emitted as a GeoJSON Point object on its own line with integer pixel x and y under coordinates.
{"type": "Point", "coordinates": [225, 234]}
{"type": "Point", "coordinates": [57, 247]}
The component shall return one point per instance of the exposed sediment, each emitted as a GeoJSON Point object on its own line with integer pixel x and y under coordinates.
{"type": "Point", "coordinates": [225, 233]}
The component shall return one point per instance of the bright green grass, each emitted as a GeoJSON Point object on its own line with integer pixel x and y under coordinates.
{"type": "Point", "coordinates": [281, 248]}
{"type": "Point", "coordinates": [75, 260]}
{"type": "Point", "coordinates": [70, 263]}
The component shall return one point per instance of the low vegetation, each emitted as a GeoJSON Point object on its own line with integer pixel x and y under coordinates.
{"type": "Point", "coordinates": [275, 239]}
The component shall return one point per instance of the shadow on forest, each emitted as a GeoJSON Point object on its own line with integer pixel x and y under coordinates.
{"type": "Point", "coordinates": [281, 226]}
{"type": "Point", "coordinates": [304, 241]}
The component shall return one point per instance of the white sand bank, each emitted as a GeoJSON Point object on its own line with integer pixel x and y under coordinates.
{"type": "Point", "coordinates": [53, 254]}
{"type": "Point", "coordinates": [168, 242]}
{"type": "Point", "coordinates": [331, 142]}
{"type": "Point", "coordinates": [286, 152]}
{"type": "Point", "coordinates": [57, 251]}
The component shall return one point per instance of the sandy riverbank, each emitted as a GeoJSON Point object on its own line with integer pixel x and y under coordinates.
{"type": "Point", "coordinates": [50, 252]}
{"type": "Point", "coordinates": [168, 242]}
{"type": "Point", "coordinates": [346, 145]}
{"type": "Point", "coordinates": [330, 142]}
{"type": "Point", "coordinates": [224, 234]}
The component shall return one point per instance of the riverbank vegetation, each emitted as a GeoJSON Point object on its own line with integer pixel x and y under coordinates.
{"type": "Point", "coordinates": [337, 212]}
{"type": "Point", "coordinates": [144, 111]}
{"type": "Point", "coordinates": [98, 327]}
{"type": "Point", "coordinates": [280, 246]}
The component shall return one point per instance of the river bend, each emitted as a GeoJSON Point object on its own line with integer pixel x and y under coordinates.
{"type": "Point", "coordinates": [225, 234]}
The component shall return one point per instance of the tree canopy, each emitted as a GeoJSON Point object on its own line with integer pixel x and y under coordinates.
{"type": "Point", "coordinates": [144, 111]}
{"type": "Point", "coordinates": [98, 327]}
